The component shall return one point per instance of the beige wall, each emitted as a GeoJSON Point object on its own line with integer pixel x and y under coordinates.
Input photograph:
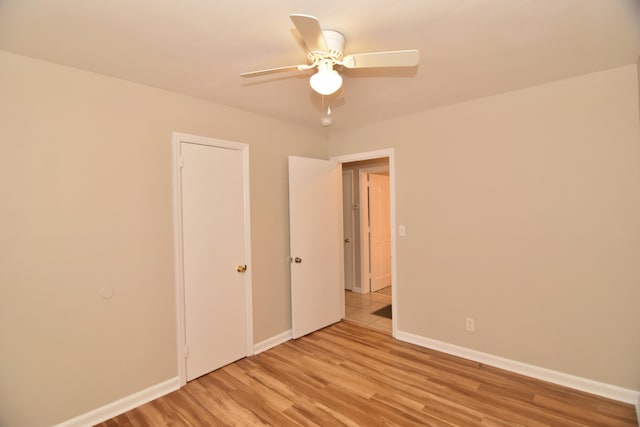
{"type": "Point", "coordinates": [523, 212]}
{"type": "Point", "coordinates": [87, 202]}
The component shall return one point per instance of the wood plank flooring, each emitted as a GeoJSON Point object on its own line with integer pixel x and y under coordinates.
{"type": "Point", "coordinates": [354, 376]}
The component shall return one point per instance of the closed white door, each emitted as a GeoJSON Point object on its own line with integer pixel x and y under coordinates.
{"type": "Point", "coordinates": [380, 226]}
{"type": "Point", "coordinates": [315, 220]}
{"type": "Point", "coordinates": [213, 210]}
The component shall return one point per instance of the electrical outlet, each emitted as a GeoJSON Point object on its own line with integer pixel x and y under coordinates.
{"type": "Point", "coordinates": [470, 324]}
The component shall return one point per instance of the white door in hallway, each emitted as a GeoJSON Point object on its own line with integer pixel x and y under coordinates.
{"type": "Point", "coordinates": [316, 244]}
{"type": "Point", "coordinates": [214, 250]}
{"type": "Point", "coordinates": [348, 222]}
{"type": "Point", "coordinates": [380, 229]}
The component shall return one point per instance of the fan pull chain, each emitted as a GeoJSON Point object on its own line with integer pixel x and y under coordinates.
{"type": "Point", "coordinates": [326, 120]}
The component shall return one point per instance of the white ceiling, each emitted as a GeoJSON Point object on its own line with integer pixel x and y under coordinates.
{"type": "Point", "coordinates": [468, 48]}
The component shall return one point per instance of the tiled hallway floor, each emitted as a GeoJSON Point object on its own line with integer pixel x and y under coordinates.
{"type": "Point", "coordinates": [358, 309]}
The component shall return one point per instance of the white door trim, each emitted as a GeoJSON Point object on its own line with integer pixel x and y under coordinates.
{"type": "Point", "coordinates": [178, 138]}
{"type": "Point", "coordinates": [389, 153]}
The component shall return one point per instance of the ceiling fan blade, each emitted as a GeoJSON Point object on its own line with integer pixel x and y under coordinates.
{"type": "Point", "coordinates": [396, 58]}
{"type": "Point", "coordinates": [271, 70]}
{"type": "Point", "coordinates": [309, 28]}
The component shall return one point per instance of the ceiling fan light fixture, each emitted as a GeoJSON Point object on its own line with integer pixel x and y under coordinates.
{"type": "Point", "coordinates": [327, 80]}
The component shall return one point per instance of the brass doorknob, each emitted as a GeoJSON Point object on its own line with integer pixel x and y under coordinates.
{"type": "Point", "coordinates": [347, 240]}
{"type": "Point", "coordinates": [241, 268]}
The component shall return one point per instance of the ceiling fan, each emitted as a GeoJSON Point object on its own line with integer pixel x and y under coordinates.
{"type": "Point", "coordinates": [325, 49]}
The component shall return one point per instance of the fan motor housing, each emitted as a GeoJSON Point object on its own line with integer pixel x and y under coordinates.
{"type": "Point", "coordinates": [334, 40]}
{"type": "Point", "coordinates": [335, 47]}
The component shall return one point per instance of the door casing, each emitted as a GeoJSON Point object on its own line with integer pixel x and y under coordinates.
{"type": "Point", "coordinates": [388, 153]}
{"type": "Point", "coordinates": [177, 139]}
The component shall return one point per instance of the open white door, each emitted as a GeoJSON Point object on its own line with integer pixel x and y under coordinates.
{"type": "Point", "coordinates": [315, 221]}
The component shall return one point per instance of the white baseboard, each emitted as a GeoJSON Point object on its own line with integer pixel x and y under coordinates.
{"type": "Point", "coordinates": [123, 405]}
{"type": "Point", "coordinates": [272, 342]}
{"type": "Point", "coordinates": [560, 378]}
{"type": "Point", "coordinates": [133, 401]}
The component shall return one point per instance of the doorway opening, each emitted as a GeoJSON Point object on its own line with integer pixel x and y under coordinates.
{"type": "Point", "coordinates": [369, 240]}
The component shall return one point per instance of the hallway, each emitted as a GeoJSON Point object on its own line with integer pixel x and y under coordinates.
{"type": "Point", "coordinates": [359, 309]}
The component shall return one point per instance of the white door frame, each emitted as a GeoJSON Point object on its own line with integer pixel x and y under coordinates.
{"type": "Point", "coordinates": [365, 236]}
{"type": "Point", "coordinates": [178, 242]}
{"type": "Point", "coordinates": [388, 153]}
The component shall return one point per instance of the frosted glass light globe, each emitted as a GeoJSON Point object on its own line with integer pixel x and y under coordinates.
{"type": "Point", "coordinates": [327, 80]}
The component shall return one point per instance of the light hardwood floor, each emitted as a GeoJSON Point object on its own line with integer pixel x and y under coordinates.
{"type": "Point", "coordinates": [350, 375]}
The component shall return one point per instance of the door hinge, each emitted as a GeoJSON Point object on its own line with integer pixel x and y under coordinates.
{"type": "Point", "coordinates": [181, 162]}
{"type": "Point", "coordinates": [186, 352]}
